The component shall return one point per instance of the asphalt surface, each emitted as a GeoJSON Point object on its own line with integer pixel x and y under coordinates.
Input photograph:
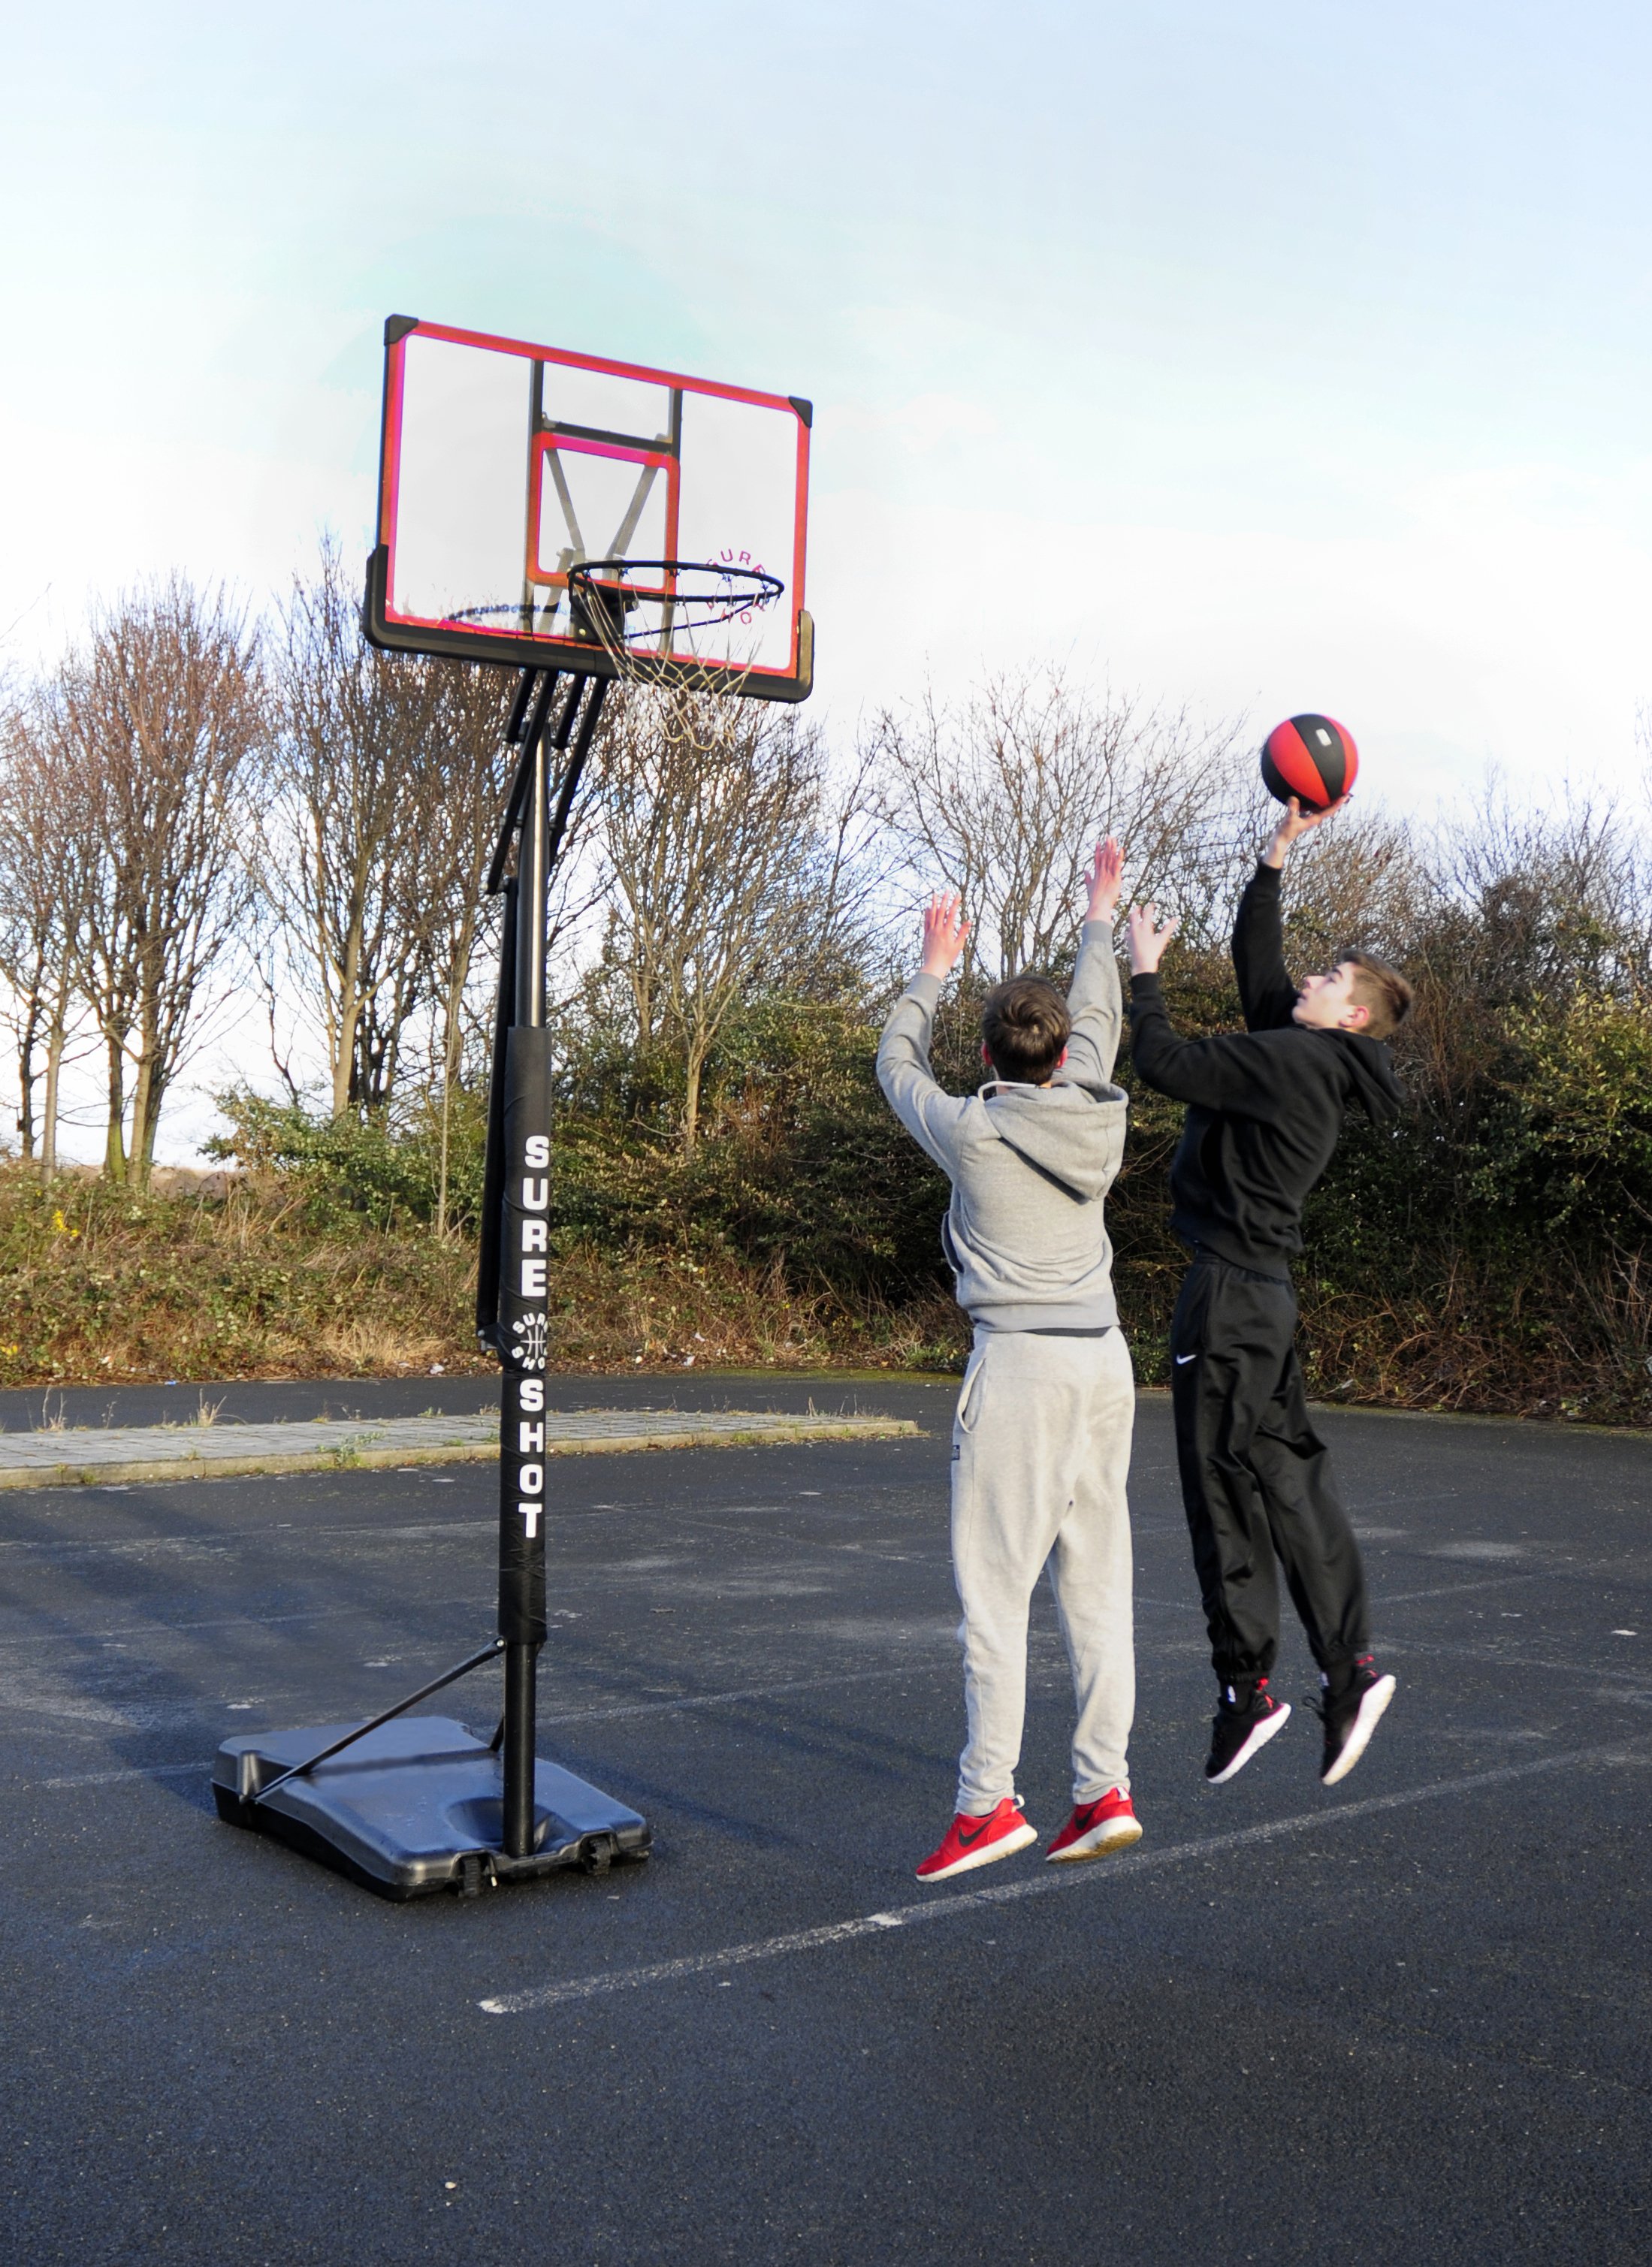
{"type": "Point", "coordinates": [1405, 2022]}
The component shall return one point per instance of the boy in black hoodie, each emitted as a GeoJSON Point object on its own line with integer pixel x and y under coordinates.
{"type": "Point", "coordinates": [1264, 1111]}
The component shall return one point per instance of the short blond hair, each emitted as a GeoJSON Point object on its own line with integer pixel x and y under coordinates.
{"type": "Point", "coordinates": [1382, 991]}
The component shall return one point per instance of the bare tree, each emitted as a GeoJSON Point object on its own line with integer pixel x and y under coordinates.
{"type": "Point", "coordinates": [40, 915]}
{"type": "Point", "coordinates": [1559, 895]}
{"type": "Point", "coordinates": [726, 863]}
{"type": "Point", "coordinates": [461, 783]}
{"type": "Point", "coordinates": [1005, 795]}
{"type": "Point", "coordinates": [1361, 880]}
{"type": "Point", "coordinates": [340, 848]}
{"type": "Point", "coordinates": [159, 724]}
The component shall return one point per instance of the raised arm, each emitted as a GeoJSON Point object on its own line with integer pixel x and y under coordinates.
{"type": "Point", "coordinates": [929, 1114]}
{"type": "Point", "coordinates": [1219, 1073]}
{"type": "Point", "coordinates": [1266, 994]}
{"type": "Point", "coordinates": [1265, 991]}
{"type": "Point", "coordinates": [1093, 997]}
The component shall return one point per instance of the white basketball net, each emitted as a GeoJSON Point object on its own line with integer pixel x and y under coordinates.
{"type": "Point", "coordinates": [672, 623]}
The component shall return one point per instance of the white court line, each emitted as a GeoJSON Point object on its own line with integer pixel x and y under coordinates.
{"type": "Point", "coordinates": [120, 1634]}
{"type": "Point", "coordinates": [131, 1546]}
{"type": "Point", "coordinates": [115, 1777]}
{"type": "Point", "coordinates": [1458, 1590]}
{"type": "Point", "coordinates": [948, 1908]}
{"type": "Point", "coordinates": [631, 1708]}
{"type": "Point", "coordinates": [717, 1699]}
{"type": "Point", "coordinates": [1514, 1658]}
{"type": "Point", "coordinates": [121, 1631]}
{"type": "Point", "coordinates": [1379, 1599]}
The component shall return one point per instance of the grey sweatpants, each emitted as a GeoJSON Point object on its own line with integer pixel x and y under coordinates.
{"type": "Point", "coordinates": [1041, 1455]}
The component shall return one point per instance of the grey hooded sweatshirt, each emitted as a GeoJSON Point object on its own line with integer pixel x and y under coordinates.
{"type": "Point", "coordinates": [1029, 1165]}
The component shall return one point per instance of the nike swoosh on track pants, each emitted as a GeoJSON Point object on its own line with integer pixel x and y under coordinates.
{"type": "Point", "coordinates": [1040, 1458]}
{"type": "Point", "coordinates": [1256, 1476]}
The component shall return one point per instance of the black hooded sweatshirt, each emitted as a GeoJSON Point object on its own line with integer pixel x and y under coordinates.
{"type": "Point", "coordinates": [1265, 1105]}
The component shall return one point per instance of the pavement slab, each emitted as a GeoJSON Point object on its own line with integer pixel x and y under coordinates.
{"type": "Point", "coordinates": [92, 1456]}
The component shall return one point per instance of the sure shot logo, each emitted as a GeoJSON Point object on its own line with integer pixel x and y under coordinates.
{"type": "Point", "coordinates": [530, 1442]}
{"type": "Point", "coordinates": [530, 1334]}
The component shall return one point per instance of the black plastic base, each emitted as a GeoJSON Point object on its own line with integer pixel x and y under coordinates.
{"type": "Point", "coordinates": [417, 1806]}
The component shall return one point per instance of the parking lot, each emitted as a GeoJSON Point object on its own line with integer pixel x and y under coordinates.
{"type": "Point", "coordinates": [1406, 2020]}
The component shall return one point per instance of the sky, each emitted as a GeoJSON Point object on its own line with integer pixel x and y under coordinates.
{"type": "Point", "coordinates": [1282, 358]}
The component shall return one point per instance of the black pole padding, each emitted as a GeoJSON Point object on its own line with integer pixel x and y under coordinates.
{"type": "Point", "coordinates": [525, 1313]}
{"type": "Point", "coordinates": [521, 1708]}
{"type": "Point", "coordinates": [492, 1174]}
{"type": "Point", "coordinates": [524, 1317]}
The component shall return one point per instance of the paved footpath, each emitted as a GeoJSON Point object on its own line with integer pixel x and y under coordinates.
{"type": "Point", "coordinates": [125, 1455]}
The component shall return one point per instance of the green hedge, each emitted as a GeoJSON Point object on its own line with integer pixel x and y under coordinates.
{"type": "Point", "coordinates": [1485, 1252]}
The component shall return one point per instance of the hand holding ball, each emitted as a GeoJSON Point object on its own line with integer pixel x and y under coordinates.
{"type": "Point", "coordinates": [1312, 758]}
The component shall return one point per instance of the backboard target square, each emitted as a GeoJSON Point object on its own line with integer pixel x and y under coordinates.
{"type": "Point", "coordinates": [598, 500]}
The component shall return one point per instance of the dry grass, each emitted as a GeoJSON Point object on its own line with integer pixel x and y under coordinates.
{"type": "Point", "coordinates": [646, 1312]}
{"type": "Point", "coordinates": [97, 1284]}
{"type": "Point", "coordinates": [1572, 1339]}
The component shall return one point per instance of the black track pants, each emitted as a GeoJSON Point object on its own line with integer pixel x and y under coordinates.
{"type": "Point", "coordinates": [1256, 1476]}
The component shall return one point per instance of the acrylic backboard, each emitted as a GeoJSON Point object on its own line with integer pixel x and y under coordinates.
{"type": "Point", "coordinates": [504, 466]}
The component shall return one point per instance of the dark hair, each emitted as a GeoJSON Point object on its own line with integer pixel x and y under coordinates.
{"type": "Point", "coordinates": [1025, 1025]}
{"type": "Point", "coordinates": [1382, 991]}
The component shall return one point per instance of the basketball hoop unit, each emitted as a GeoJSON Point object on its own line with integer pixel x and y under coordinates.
{"type": "Point", "coordinates": [499, 461]}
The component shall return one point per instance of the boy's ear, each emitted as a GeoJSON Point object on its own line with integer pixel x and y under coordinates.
{"type": "Point", "coordinates": [987, 1054]}
{"type": "Point", "coordinates": [1354, 1017]}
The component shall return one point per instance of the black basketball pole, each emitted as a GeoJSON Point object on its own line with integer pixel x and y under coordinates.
{"type": "Point", "coordinates": [524, 1232]}
{"type": "Point", "coordinates": [523, 1306]}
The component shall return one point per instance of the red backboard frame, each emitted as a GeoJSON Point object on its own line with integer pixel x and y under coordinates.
{"type": "Point", "coordinates": [520, 639]}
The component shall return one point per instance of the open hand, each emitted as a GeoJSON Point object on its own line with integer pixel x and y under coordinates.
{"type": "Point", "coordinates": [1298, 822]}
{"type": "Point", "coordinates": [1104, 880]}
{"type": "Point", "coordinates": [1148, 936]}
{"type": "Point", "coordinates": [944, 930]}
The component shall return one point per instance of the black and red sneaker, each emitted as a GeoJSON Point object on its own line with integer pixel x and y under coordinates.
{"type": "Point", "coordinates": [1097, 1829]}
{"type": "Point", "coordinates": [1352, 1708]}
{"type": "Point", "coordinates": [1247, 1717]}
{"type": "Point", "coordinates": [969, 1842]}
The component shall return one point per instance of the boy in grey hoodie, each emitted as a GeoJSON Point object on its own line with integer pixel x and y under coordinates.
{"type": "Point", "coordinates": [1041, 1441]}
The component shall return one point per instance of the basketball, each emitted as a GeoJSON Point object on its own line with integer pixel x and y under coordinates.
{"type": "Point", "coordinates": [1312, 758]}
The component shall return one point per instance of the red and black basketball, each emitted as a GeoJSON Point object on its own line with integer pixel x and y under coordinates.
{"type": "Point", "coordinates": [1312, 758]}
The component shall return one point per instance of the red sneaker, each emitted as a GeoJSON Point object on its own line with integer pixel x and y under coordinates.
{"type": "Point", "coordinates": [970, 1842]}
{"type": "Point", "coordinates": [1097, 1829]}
